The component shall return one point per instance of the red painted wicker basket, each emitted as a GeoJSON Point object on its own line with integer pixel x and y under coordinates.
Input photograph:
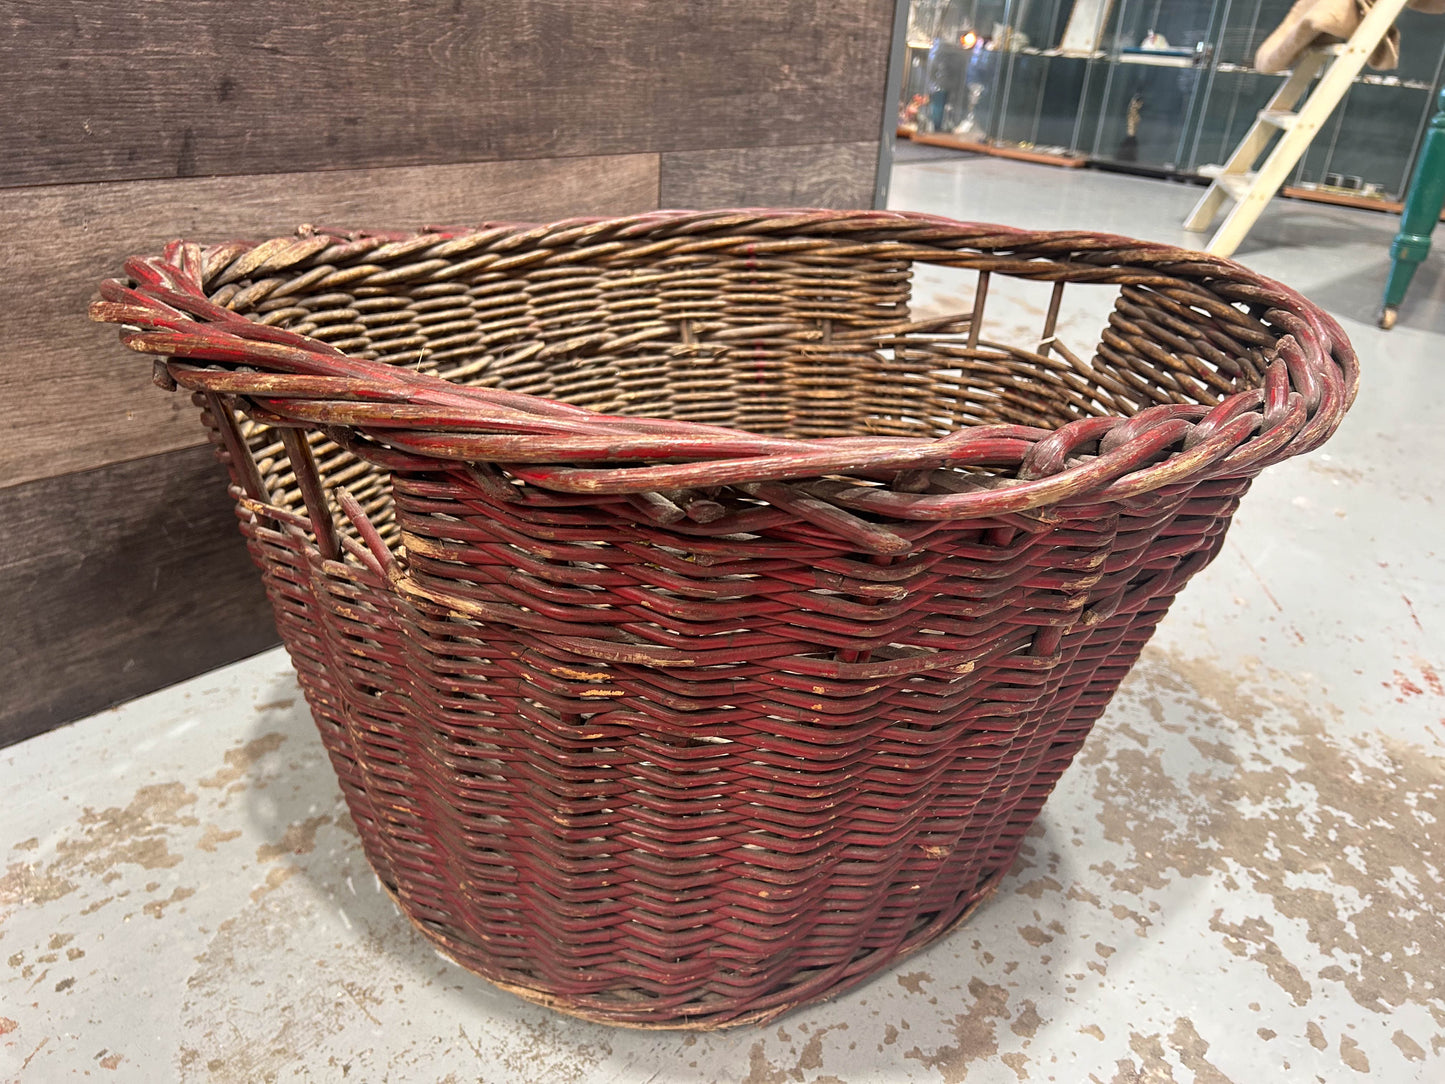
{"type": "Point", "coordinates": [694, 629]}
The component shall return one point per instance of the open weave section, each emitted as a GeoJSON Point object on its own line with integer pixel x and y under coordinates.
{"type": "Point", "coordinates": [697, 626]}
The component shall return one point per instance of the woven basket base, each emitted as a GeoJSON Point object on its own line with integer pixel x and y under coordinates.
{"type": "Point", "coordinates": [562, 1005]}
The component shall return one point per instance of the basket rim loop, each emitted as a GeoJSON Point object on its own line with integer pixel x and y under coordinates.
{"type": "Point", "coordinates": [289, 380]}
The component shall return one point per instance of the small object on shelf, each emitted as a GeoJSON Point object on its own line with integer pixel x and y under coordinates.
{"type": "Point", "coordinates": [909, 117]}
{"type": "Point", "coordinates": [1355, 187]}
{"type": "Point", "coordinates": [1374, 200]}
{"type": "Point", "coordinates": [969, 124]}
{"type": "Point", "coordinates": [954, 142]}
{"type": "Point", "coordinates": [1352, 185]}
{"type": "Point", "coordinates": [1008, 39]}
{"type": "Point", "coordinates": [1159, 58]}
{"type": "Point", "coordinates": [1129, 148]}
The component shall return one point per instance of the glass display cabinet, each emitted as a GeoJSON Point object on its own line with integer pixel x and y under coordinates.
{"type": "Point", "coordinates": [1003, 73]}
{"type": "Point", "coordinates": [922, 28]}
{"type": "Point", "coordinates": [960, 81]}
{"type": "Point", "coordinates": [1158, 59]}
{"type": "Point", "coordinates": [1164, 87]}
{"type": "Point", "coordinates": [1051, 69]}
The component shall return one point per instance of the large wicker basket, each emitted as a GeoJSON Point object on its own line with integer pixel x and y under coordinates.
{"type": "Point", "coordinates": [694, 629]}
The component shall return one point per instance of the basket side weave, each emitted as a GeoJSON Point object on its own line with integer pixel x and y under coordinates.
{"type": "Point", "coordinates": [714, 703]}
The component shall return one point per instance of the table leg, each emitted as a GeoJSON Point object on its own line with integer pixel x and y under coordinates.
{"type": "Point", "coordinates": [1422, 210]}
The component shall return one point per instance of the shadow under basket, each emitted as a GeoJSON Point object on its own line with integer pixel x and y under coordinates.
{"type": "Point", "coordinates": [695, 627]}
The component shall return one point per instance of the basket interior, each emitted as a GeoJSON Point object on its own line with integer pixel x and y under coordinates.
{"type": "Point", "coordinates": [825, 342]}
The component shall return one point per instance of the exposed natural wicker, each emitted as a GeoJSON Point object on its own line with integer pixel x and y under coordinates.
{"type": "Point", "coordinates": [691, 711]}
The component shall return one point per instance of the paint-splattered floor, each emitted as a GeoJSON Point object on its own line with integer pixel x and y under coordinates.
{"type": "Point", "coordinates": [1240, 880]}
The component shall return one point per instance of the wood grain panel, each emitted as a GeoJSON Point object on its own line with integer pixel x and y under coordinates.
{"type": "Point", "coordinates": [104, 90]}
{"type": "Point", "coordinates": [838, 175]}
{"type": "Point", "coordinates": [118, 581]}
{"type": "Point", "coordinates": [72, 398]}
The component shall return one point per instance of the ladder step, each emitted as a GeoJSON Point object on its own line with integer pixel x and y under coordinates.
{"type": "Point", "coordinates": [1235, 185]}
{"type": "Point", "coordinates": [1283, 119]}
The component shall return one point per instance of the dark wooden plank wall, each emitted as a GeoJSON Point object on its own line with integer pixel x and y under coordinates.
{"type": "Point", "coordinates": [95, 404]}
{"type": "Point", "coordinates": [126, 125]}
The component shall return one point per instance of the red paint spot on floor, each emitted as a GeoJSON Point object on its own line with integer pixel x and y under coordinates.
{"type": "Point", "coordinates": [1411, 607]}
{"type": "Point", "coordinates": [1406, 686]}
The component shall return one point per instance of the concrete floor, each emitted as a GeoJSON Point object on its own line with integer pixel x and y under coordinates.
{"type": "Point", "coordinates": [1241, 880]}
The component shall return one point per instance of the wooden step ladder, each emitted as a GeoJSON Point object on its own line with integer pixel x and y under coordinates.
{"type": "Point", "coordinates": [1296, 124]}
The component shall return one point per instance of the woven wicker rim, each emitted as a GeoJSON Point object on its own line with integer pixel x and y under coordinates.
{"type": "Point", "coordinates": [165, 310]}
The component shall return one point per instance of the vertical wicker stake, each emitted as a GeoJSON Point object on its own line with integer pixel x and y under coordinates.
{"type": "Point", "coordinates": [238, 453]}
{"type": "Point", "coordinates": [1046, 340]}
{"type": "Point", "coordinates": [303, 465]}
{"type": "Point", "coordinates": [975, 323]}
{"type": "Point", "coordinates": [384, 561]}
